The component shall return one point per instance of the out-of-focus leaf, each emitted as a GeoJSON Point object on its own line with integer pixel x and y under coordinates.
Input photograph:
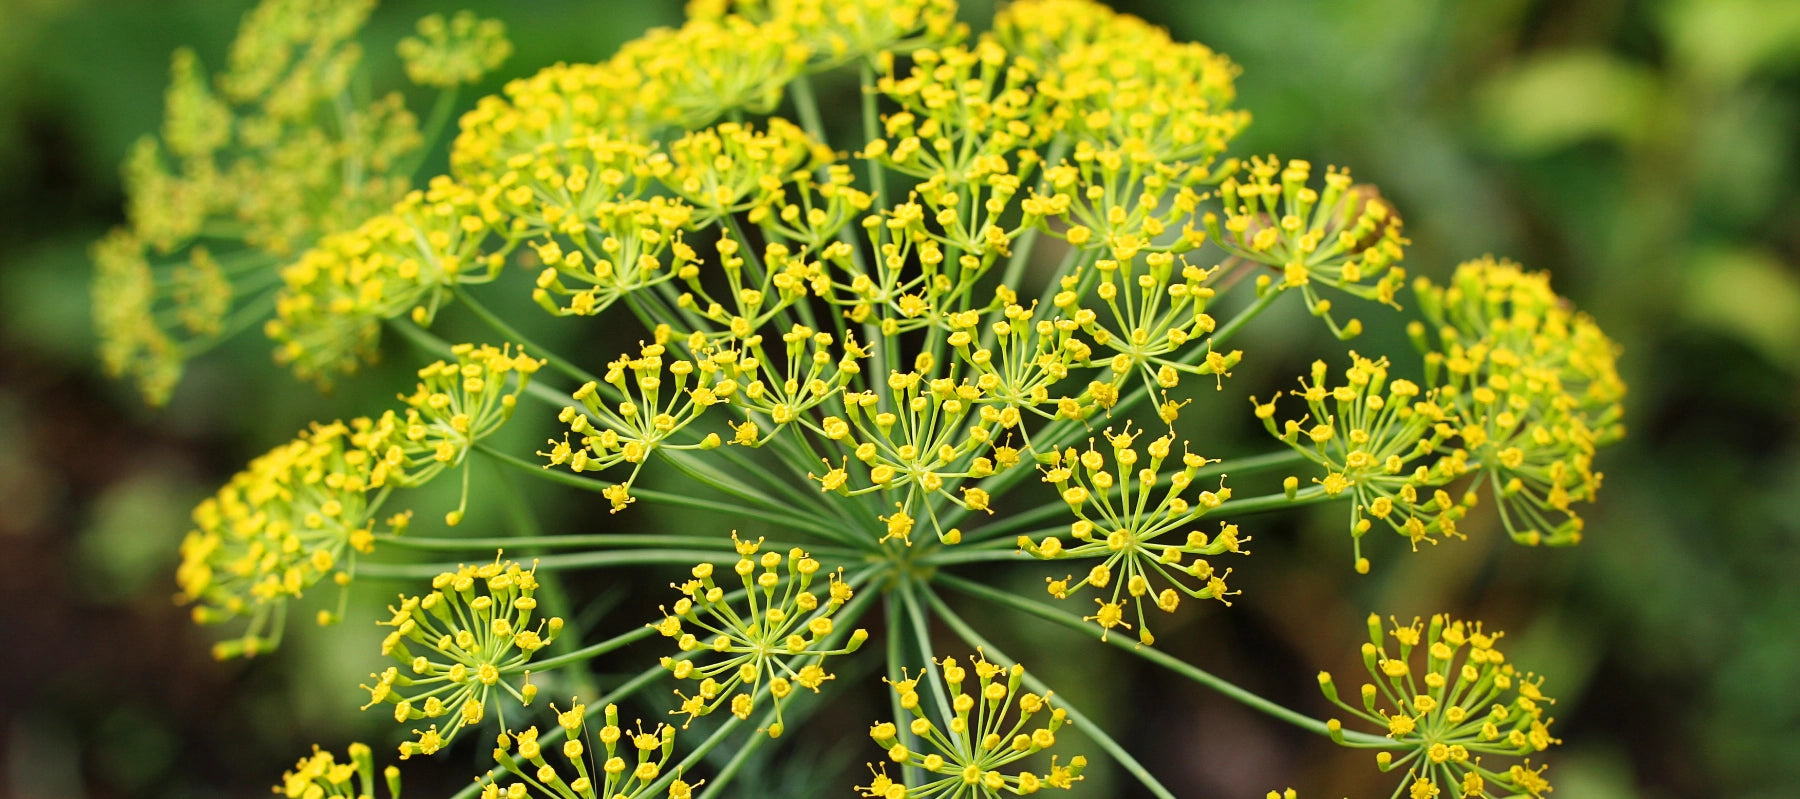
{"type": "Point", "coordinates": [1720, 42]}
{"type": "Point", "coordinates": [1750, 295]}
{"type": "Point", "coordinates": [1557, 99]}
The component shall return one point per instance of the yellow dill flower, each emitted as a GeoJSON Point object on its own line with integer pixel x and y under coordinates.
{"type": "Point", "coordinates": [456, 51]}
{"type": "Point", "coordinates": [319, 776]}
{"type": "Point", "coordinates": [631, 245]}
{"type": "Point", "coordinates": [474, 633]}
{"type": "Point", "coordinates": [561, 106]}
{"type": "Point", "coordinates": [1160, 318]}
{"type": "Point", "coordinates": [1466, 702]}
{"type": "Point", "coordinates": [613, 778]}
{"type": "Point", "coordinates": [455, 406]}
{"type": "Point", "coordinates": [777, 642]}
{"type": "Point", "coordinates": [755, 296]}
{"type": "Point", "coordinates": [125, 294]}
{"type": "Point", "coordinates": [733, 167]}
{"type": "Point", "coordinates": [1123, 84]}
{"type": "Point", "coordinates": [778, 387]}
{"type": "Point", "coordinates": [1342, 238]}
{"type": "Point", "coordinates": [334, 298]}
{"type": "Point", "coordinates": [294, 515]}
{"type": "Point", "coordinates": [938, 434]}
{"type": "Point", "coordinates": [1532, 390]}
{"type": "Point", "coordinates": [1026, 358]}
{"type": "Point", "coordinates": [639, 415]}
{"type": "Point", "coordinates": [839, 31]}
{"type": "Point", "coordinates": [1377, 439]}
{"type": "Point", "coordinates": [1118, 522]}
{"type": "Point", "coordinates": [708, 68]}
{"type": "Point", "coordinates": [969, 754]}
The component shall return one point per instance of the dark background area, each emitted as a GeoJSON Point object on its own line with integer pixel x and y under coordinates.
{"type": "Point", "coordinates": [1642, 152]}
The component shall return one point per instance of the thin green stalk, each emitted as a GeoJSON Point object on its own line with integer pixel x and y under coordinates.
{"type": "Point", "coordinates": [601, 540]}
{"type": "Point", "coordinates": [512, 334]}
{"type": "Point", "coordinates": [1157, 656]}
{"type": "Point", "coordinates": [994, 655]}
{"type": "Point", "coordinates": [895, 662]}
{"type": "Point", "coordinates": [435, 124]}
{"type": "Point", "coordinates": [915, 615]}
{"type": "Point", "coordinates": [580, 560]}
{"type": "Point", "coordinates": [594, 650]}
{"type": "Point", "coordinates": [676, 499]}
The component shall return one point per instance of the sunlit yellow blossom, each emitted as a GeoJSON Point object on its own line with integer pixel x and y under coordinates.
{"type": "Point", "coordinates": [320, 776]}
{"type": "Point", "coordinates": [1344, 237]}
{"type": "Point", "coordinates": [459, 647]}
{"type": "Point", "coordinates": [972, 751]}
{"type": "Point", "coordinates": [1531, 391]}
{"type": "Point", "coordinates": [595, 775]}
{"type": "Point", "coordinates": [1377, 440]}
{"type": "Point", "coordinates": [1466, 702]}
{"type": "Point", "coordinates": [1120, 521]}
{"type": "Point", "coordinates": [776, 643]}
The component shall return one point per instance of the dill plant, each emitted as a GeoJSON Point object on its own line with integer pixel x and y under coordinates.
{"type": "Point", "coordinates": [843, 345]}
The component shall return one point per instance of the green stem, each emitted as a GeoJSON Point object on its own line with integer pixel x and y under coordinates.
{"type": "Point", "coordinates": [1156, 656]}
{"type": "Point", "coordinates": [510, 333]}
{"type": "Point", "coordinates": [993, 654]}
{"type": "Point", "coordinates": [435, 124]}
{"type": "Point", "coordinates": [580, 560]}
{"type": "Point", "coordinates": [679, 500]}
{"type": "Point", "coordinates": [594, 650]}
{"type": "Point", "coordinates": [619, 540]}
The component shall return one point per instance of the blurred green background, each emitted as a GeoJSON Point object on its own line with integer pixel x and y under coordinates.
{"type": "Point", "coordinates": [1645, 153]}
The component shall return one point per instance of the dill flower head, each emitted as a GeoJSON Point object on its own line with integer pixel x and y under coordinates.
{"type": "Point", "coordinates": [1122, 518]}
{"type": "Point", "coordinates": [776, 642]}
{"type": "Point", "coordinates": [457, 51]}
{"type": "Point", "coordinates": [455, 406]}
{"type": "Point", "coordinates": [294, 515]}
{"type": "Point", "coordinates": [261, 160]}
{"type": "Point", "coordinates": [320, 775]}
{"type": "Point", "coordinates": [972, 750]}
{"type": "Point", "coordinates": [1377, 439]}
{"type": "Point", "coordinates": [1445, 712]}
{"type": "Point", "coordinates": [460, 647]}
{"type": "Point", "coordinates": [614, 778]}
{"type": "Point", "coordinates": [1340, 237]}
{"type": "Point", "coordinates": [335, 296]}
{"type": "Point", "coordinates": [1531, 389]}
{"type": "Point", "coordinates": [634, 413]}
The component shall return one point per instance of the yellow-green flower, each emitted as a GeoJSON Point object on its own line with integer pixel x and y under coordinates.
{"type": "Point", "coordinates": [1447, 711]}
{"type": "Point", "coordinates": [456, 51]}
{"type": "Point", "coordinates": [1121, 520]}
{"type": "Point", "coordinates": [460, 647]}
{"type": "Point", "coordinates": [321, 776]}
{"type": "Point", "coordinates": [594, 776]}
{"type": "Point", "coordinates": [974, 751]}
{"type": "Point", "coordinates": [777, 642]}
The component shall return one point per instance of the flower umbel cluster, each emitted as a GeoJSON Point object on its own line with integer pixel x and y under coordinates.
{"type": "Point", "coordinates": [777, 643]}
{"type": "Point", "coordinates": [1120, 519]}
{"type": "Point", "coordinates": [321, 776]}
{"type": "Point", "coordinates": [894, 294]}
{"type": "Point", "coordinates": [967, 751]}
{"type": "Point", "coordinates": [459, 647]}
{"type": "Point", "coordinates": [1466, 702]}
{"type": "Point", "coordinates": [615, 778]}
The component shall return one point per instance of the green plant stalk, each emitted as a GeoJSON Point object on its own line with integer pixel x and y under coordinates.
{"type": "Point", "coordinates": [580, 560]}
{"type": "Point", "coordinates": [1106, 742]}
{"type": "Point", "coordinates": [512, 334]}
{"type": "Point", "coordinates": [911, 774]}
{"type": "Point", "coordinates": [1170, 662]}
{"type": "Point", "coordinates": [602, 540]}
{"type": "Point", "coordinates": [678, 500]}
{"type": "Point", "coordinates": [592, 651]}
